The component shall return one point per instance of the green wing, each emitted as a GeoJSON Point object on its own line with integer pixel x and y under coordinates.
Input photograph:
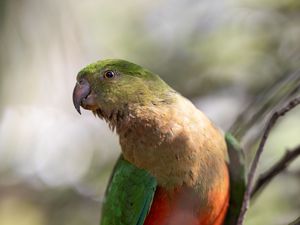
{"type": "Point", "coordinates": [128, 196]}
{"type": "Point", "coordinates": [237, 179]}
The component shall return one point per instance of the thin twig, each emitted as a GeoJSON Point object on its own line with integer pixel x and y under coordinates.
{"type": "Point", "coordinates": [278, 167]}
{"type": "Point", "coordinates": [295, 222]}
{"type": "Point", "coordinates": [253, 166]}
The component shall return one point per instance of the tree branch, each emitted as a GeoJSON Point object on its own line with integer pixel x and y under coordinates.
{"type": "Point", "coordinates": [281, 165]}
{"type": "Point", "coordinates": [296, 222]}
{"type": "Point", "coordinates": [259, 151]}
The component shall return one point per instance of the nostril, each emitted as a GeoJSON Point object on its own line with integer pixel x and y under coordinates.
{"type": "Point", "coordinates": [82, 81]}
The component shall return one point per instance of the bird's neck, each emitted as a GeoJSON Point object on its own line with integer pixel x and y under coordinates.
{"type": "Point", "coordinates": [175, 142]}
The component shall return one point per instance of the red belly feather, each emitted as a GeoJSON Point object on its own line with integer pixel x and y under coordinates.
{"type": "Point", "coordinates": [183, 207]}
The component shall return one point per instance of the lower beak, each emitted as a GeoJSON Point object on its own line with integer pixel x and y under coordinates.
{"type": "Point", "coordinates": [81, 91]}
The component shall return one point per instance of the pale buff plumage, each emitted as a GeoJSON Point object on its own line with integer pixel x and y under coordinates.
{"type": "Point", "coordinates": [176, 142]}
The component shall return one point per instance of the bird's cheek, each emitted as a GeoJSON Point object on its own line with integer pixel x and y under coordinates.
{"type": "Point", "coordinates": [90, 102]}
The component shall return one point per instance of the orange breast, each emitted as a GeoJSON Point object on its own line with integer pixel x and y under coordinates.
{"type": "Point", "coordinates": [183, 206]}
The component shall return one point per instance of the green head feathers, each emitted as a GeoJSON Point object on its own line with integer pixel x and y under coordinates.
{"type": "Point", "coordinates": [116, 83]}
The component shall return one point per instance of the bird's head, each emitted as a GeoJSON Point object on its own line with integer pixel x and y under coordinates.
{"type": "Point", "coordinates": [110, 85]}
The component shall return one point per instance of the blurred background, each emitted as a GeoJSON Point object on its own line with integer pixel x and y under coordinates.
{"type": "Point", "coordinates": [54, 164]}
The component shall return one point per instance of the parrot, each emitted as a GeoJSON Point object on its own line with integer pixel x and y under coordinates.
{"type": "Point", "coordinates": [174, 163]}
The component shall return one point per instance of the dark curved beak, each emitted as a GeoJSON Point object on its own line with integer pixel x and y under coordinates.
{"type": "Point", "coordinates": [81, 91]}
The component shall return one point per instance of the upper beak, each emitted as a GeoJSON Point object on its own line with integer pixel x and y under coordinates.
{"type": "Point", "coordinates": [81, 91]}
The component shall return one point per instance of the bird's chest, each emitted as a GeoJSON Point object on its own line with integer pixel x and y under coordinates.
{"type": "Point", "coordinates": [165, 150]}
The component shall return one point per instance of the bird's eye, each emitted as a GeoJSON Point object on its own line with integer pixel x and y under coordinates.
{"type": "Point", "coordinates": [109, 74]}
